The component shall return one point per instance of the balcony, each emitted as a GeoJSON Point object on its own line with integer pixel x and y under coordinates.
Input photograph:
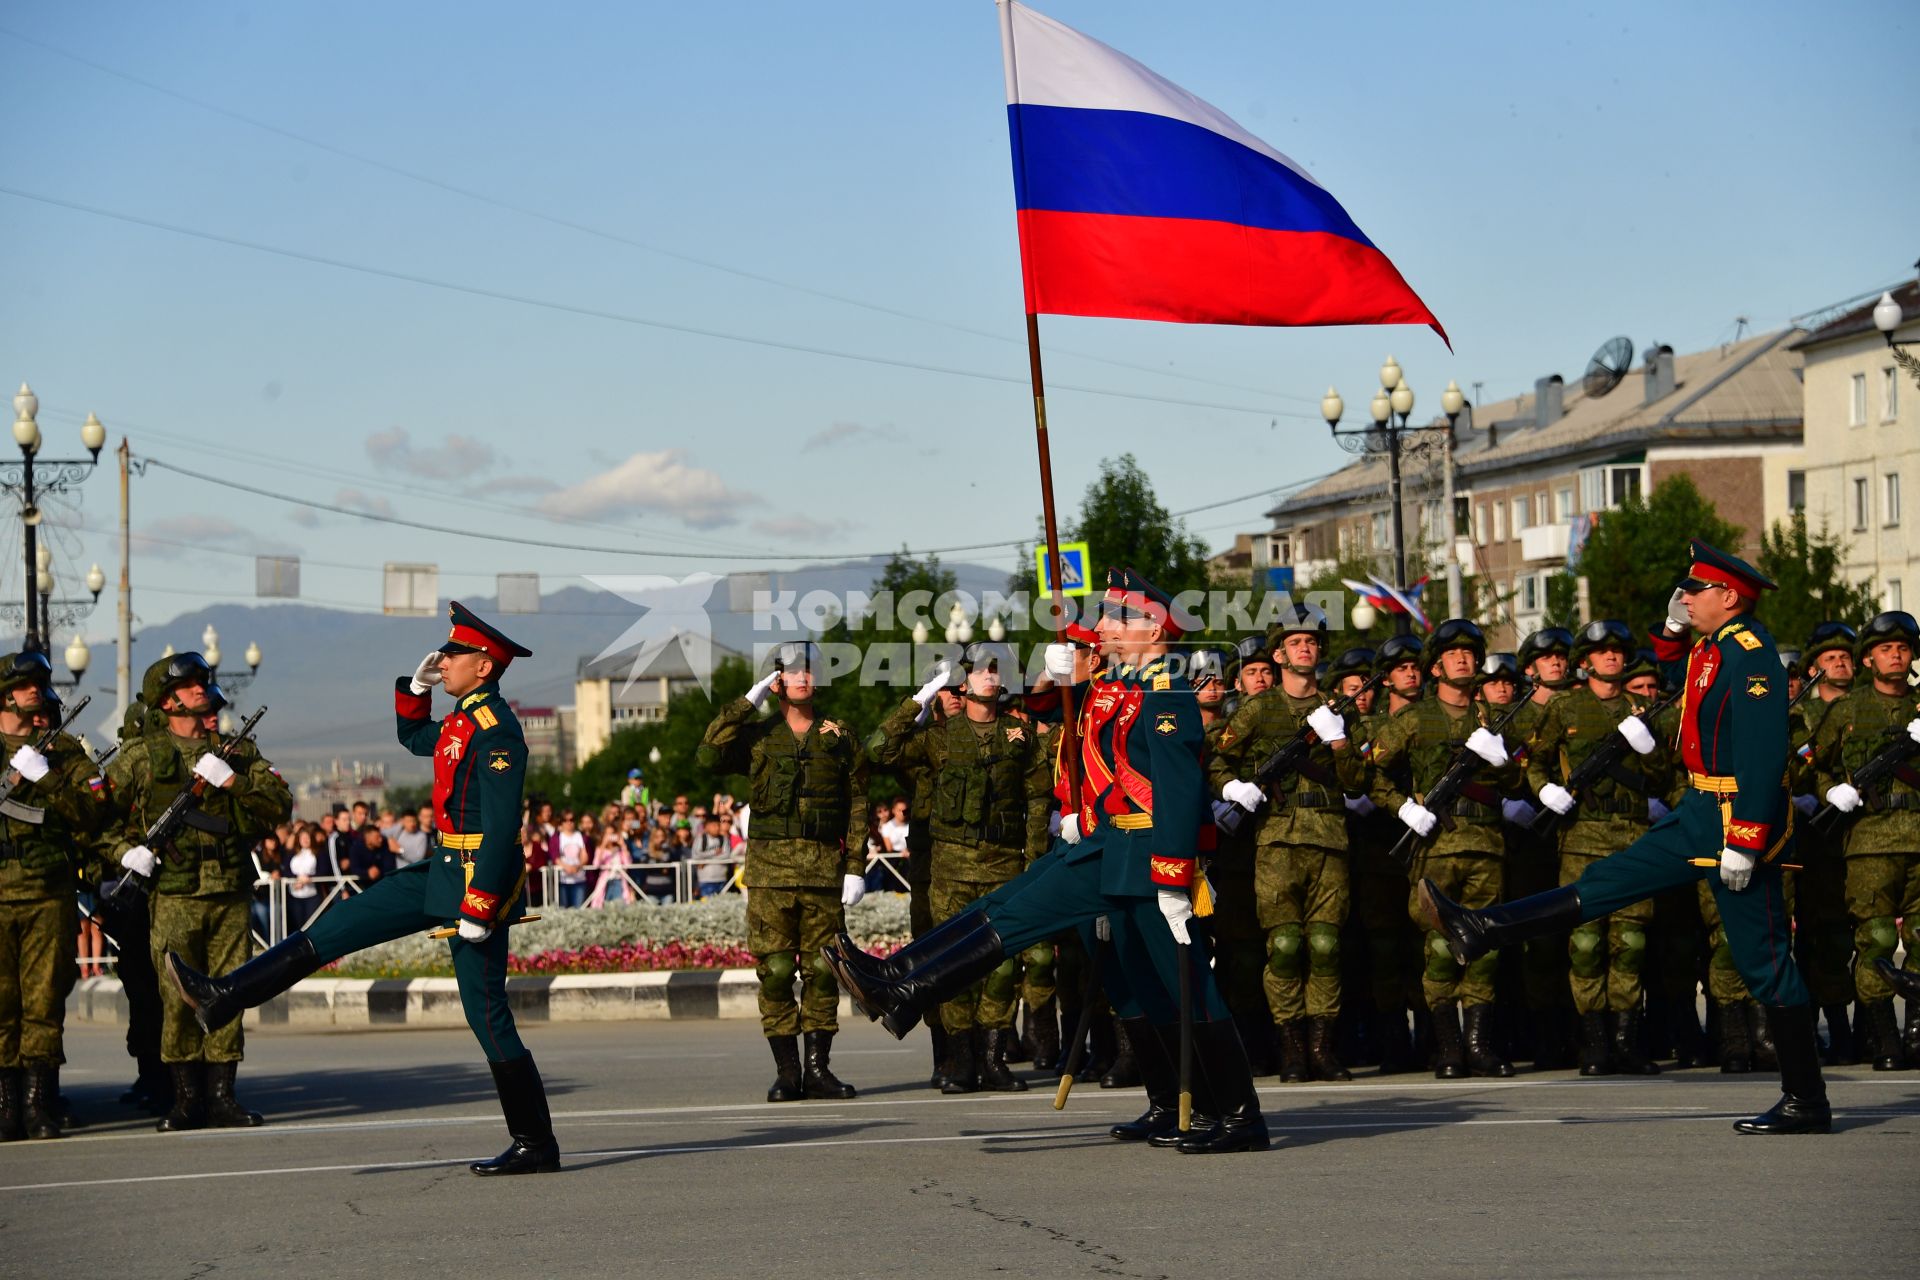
{"type": "Point", "coordinates": [1545, 542]}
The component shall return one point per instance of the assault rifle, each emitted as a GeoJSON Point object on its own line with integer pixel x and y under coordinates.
{"type": "Point", "coordinates": [25, 812]}
{"type": "Point", "coordinates": [1869, 779]}
{"type": "Point", "coordinates": [184, 811]}
{"type": "Point", "coordinates": [1602, 762]}
{"type": "Point", "coordinates": [1441, 797]}
{"type": "Point", "coordinates": [1286, 760]}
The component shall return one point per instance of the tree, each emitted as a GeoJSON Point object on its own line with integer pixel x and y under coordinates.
{"type": "Point", "coordinates": [1123, 524]}
{"type": "Point", "coordinates": [1807, 568]}
{"type": "Point", "coordinates": [1639, 551]}
{"type": "Point", "coordinates": [1563, 601]}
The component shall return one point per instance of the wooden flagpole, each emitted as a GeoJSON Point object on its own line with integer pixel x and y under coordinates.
{"type": "Point", "coordinates": [1069, 725]}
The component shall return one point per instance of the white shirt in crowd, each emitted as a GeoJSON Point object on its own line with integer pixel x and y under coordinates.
{"type": "Point", "coordinates": [573, 848]}
{"type": "Point", "coordinates": [303, 863]}
{"type": "Point", "coordinates": [894, 836]}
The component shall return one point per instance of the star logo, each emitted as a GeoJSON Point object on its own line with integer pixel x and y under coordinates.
{"type": "Point", "coordinates": [674, 610]}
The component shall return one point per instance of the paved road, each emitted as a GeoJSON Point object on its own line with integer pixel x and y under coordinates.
{"type": "Point", "coordinates": [676, 1168]}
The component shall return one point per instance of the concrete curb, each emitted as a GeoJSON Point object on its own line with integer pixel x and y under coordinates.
{"type": "Point", "coordinates": [360, 1003]}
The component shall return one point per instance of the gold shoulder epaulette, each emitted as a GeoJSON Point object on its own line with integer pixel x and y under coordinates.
{"type": "Point", "coordinates": [473, 699]}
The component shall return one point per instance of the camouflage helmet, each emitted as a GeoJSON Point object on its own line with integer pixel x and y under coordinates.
{"type": "Point", "coordinates": [1357, 661]}
{"type": "Point", "coordinates": [1454, 633]}
{"type": "Point", "coordinates": [1793, 661]}
{"type": "Point", "coordinates": [1298, 619]}
{"type": "Point", "coordinates": [1395, 650]}
{"type": "Point", "coordinates": [1828, 636]}
{"type": "Point", "coordinates": [1603, 633]}
{"type": "Point", "coordinates": [1895, 624]}
{"type": "Point", "coordinates": [29, 667]}
{"type": "Point", "coordinates": [1248, 649]}
{"type": "Point", "coordinates": [1209, 662]}
{"type": "Point", "coordinates": [1500, 665]}
{"type": "Point", "coordinates": [1640, 663]}
{"type": "Point", "coordinates": [1544, 641]}
{"type": "Point", "coordinates": [169, 673]}
{"type": "Point", "coordinates": [795, 655]}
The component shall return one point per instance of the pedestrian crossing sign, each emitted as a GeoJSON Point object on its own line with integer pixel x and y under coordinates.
{"type": "Point", "coordinates": [1073, 569]}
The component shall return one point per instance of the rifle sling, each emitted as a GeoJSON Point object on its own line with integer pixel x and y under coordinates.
{"type": "Point", "coordinates": [22, 812]}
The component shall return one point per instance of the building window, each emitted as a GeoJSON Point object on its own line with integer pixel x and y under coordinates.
{"type": "Point", "coordinates": [1563, 507]}
{"type": "Point", "coordinates": [1346, 540]}
{"type": "Point", "coordinates": [1380, 538]}
{"type": "Point", "coordinates": [1480, 525]}
{"type": "Point", "coordinates": [1542, 512]}
{"type": "Point", "coordinates": [1499, 522]}
{"type": "Point", "coordinates": [1857, 400]}
{"type": "Point", "coordinates": [1604, 488]}
{"type": "Point", "coordinates": [1890, 499]}
{"type": "Point", "coordinates": [1860, 504]}
{"type": "Point", "coordinates": [1522, 515]}
{"type": "Point", "coordinates": [1529, 593]}
{"type": "Point", "coordinates": [1796, 491]}
{"type": "Point", "coordinates": [1279, 549]}
{"type": "Point", "coordinates": [1893, 594]}
{"type": "Point", "coordinates": [1889, 395]}
{"type": "Point", "coordinates": [1460, 519]}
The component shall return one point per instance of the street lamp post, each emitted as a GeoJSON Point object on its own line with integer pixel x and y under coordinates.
{"type": "Point", "coordinates": [1888, 315]}
{"type": "Point", "coordinates": [33, 477]}
{"type": "Point", "coordinates": [1452, 402]}
{"type": "Point", "coordinates": [210, 650]}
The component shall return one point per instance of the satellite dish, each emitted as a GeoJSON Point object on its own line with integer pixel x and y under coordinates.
{"type": "Point", "coordinates": [1608, 366]}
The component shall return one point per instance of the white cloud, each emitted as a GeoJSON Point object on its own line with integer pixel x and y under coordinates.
{"type": "Point", "coordinates": [357, 500]}
{"type": "Point", "coordinates": [849, 433]}
{"type": "Point", "coordinates": [794, 526]}
{"type": "Point", "coordinates": [454, 458]}
{"type": "Point", "coordinates": [175, 537]}
{"type": "Point", "coordinates": [658, 483]}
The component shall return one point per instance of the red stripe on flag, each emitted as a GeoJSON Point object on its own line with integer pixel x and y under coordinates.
{"type": "Point", "coordinates": [1195, 272]}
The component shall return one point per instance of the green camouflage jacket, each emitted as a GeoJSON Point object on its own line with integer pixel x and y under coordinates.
{"type": "Point", "coordinates": [211, 854]}
{"type": "Point", "coordinates": [1612, 813]}
{"type": "Point", "coordinates": [1426, 736]}
{"type": "Point", "coordinates": [1855, 730]}
{"type": "Point", "coordinates": [808, 827]}
{"type": "Point", "coordinates": [1308, 808]}
{"type": "Point", "coordinates": [991, 784]}
{"type": "Point", "coordinates": [55, 828]}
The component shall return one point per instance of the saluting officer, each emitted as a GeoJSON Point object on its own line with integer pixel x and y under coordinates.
{"type": "Point", "coordinates": [475, 878]}
{"type": "Point", "coordinates": [203, 887]}
{"type": "Point", "coordinates": [806, 857]}
{"type": "Point", "coordinates": [1733, 742]}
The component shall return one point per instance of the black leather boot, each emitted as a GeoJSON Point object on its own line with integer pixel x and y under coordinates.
{"type": "Point", "coordinates": [787, 1085]}
{"type": "Point", "coordinates": [1320, 1051]}
{"type": "Point", "coordinates": [1765, 1056]}
{"type": "Point", "coordinates": [223, 1109]}
{"type": "Point", "coordinates": [185, 1113]}
{"type": "Point", "coordinates": [1396, 1044]}
{"type": "Point", "coordinates": [1471, 934]}
{"type": "Point", "coordinates": [1221, 1060]}
{"type": "Point", "coordinates": [892, 968]}
{"type": "Point", "coordinates": [1204, 1114]}
{"type": "Point", "coordinates": [1483, 1055]}
{"type": "Point", "coordinates": [40, 1103]}
{"type": "Point", "coordinates": [1291, 1038]}
{"type": "Point", "coordinates": [1020, 1044]}
{"type": "Point", "coordinates": [1736, 1048]}
{"type": "Point", "coordinates": [1256, 1034]}
{"type": "Point", "coordinates": [11, 1088]}
{"type": "Point", "coordinates": [1884, 1027]}
{"type": "Point", "coordinates": [1046, 1036]}
{"type": "Point", "coordinates": [819, 1080]}
{"type": "Point", "coordinates": [1103, 1046]}
{"type": "Point", "coordinates": [1449, 1055]}
{"type": "Point", "coordinates": [1905, 982]}
{"type": "Point", "coordinates": [217, 1001]}
{"type": "Point", "coordinates": [1628, 1060]}
{"type": "Point", "coordinates": [1689, 1050]}
{"type": "Point", "coordinates": [1913, 1030]}
{"type": "Point", "coordinates": [967, 954]}
{"type": "Point", "coordinates": [523, 1100]}
{"type": "Point", "coordinates": [1803, 1094]}
{"type": "Point", "coordinates": [1125, 1071]}
{"type": "Point", "coordinates": [938, 1034]}
{"type": "Point", "coordinates": [1162, 1079]}
{"type": "Point", "coordinates": [1593, 1044]}
{"type": "Point", "coordinates": [152, 1088]}
{"type": "Point", "coordinates": [994, 1076]}
{"type": "Point", "coordinates": [963, 1066]}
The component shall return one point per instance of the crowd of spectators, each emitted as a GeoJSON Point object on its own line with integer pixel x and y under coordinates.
{"type": "Point", "coordinates": [631, 847]}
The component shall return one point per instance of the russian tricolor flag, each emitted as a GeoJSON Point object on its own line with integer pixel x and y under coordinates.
{"type": "Point", "coordinates": [1138, 200]}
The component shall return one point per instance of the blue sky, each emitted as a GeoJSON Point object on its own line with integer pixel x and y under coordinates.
{"type": "Point", "coordinates": [1545, 177]}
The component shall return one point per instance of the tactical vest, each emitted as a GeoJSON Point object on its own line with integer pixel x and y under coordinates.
{"type": "Point", "coordinates": [979, 793]}
{"type": "Point", "coordinates": [1623, 790]}
{"type": "Point", "coordinates": [799, 786]}
{"type": "Point", "coordinates": [1441, 740]}
{"type": "Point", "coordinates": [1873, 722]}
{"type": "Point", "coordinates": [47, 849]}
{"type": "Point", "coordinates": [206, 854]}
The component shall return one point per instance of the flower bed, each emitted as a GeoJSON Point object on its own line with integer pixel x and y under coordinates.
{"type": "Point", "coordinates": [625, 938]}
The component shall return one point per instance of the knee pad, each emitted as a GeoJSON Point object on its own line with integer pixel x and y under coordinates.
{"type": "Point", "coordinates": [1323, 949]}
{"type": "Point", "coordinates": [818, 970]}
{"type": "Point", "coordinates": [1004, 983]}
{"type": "Point", "coordinates": [1587, 952]}
{"type": "Point", "coordinates": [1440, 962]}
{"type": "Point", "coordinates": [1483, 968]}
{"type": "Point", "coordinates": [1283, 951]}
{"type": "Point", "coordinates": [776, 975]}
{"type": "Point", "coordinates": [1633, 950]}
{"type": "Point", "coordinates": [1039, 961]}
{"type": "Point", "coordinates": [1877, 937]}
{"type": "Point", "coordinates": [1910, 933]}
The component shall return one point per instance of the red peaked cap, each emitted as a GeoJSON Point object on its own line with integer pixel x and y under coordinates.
{"type": "Point", "coordinates": [1713, 567]}
{"type": "Point", "coordinates": [1130, 595]}
{"type": "Point", "coordinates": [470, 634]}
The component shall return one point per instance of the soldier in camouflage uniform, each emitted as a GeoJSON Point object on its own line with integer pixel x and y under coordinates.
{"type": "Point", "coordinates": [47, 830]}
{"type": "Point", "coordinates": [1300, 830]}
{"type": "Point", "coordinates": [1240, 961]}
{"type": "Point", "coordinates": [1393, 945]}
{"type": "Point", "coordinates": [1533, 861]}
{"type": "Point", "coordinates": [1399, 657]}
{"type": "Point", "coordinates": [1823, 934]}
{"type": "Point", "coordinates": [806, 858]}
{"type": "Point", "coordinates": [203, 886]}
{"type": "Point", "coordinates": [1607, 955]}
{"type": "Point", "coordinates": [992, 793]}
{"type": "Point", "coordinates": [1427, 736]}
{"type": "Point", "coordinates": [1882, 839]}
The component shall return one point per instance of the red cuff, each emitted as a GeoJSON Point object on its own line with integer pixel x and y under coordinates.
{"type": "Point", "coordinates": [1750, 836]}
{"type": "Point", "coordinates": [1174, 873]}
{"type": "Point", "coordinates": [411, 705]}
{"type": "Point", "coordinates": [1665, 647]}
{"type": "Point", "coordinates": [479, 905]}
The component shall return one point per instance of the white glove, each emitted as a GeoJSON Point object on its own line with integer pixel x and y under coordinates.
{"type": "Point", "coordinates": [139, 860]}
{"type": "Point", "coordinates": [1843, 797]}
{"type": "Point", "coordinates": [1177, 907]}
{"type": "Point", "coordinates": [31, 764]}
{"type": "Point", "coordinates": [758, 694]}
{"type": "Point", "coordinates": [1638, 736]}
{"type": "Point", "coordinates": [1327, 724]}
{"type": "Point", "coordinates": [1418, 817]}
{"type": "Point", "coordinates": [1806, 804]}
{"type": "Point", "coordinates": [935, 683]}
{"type": "Point", "coordinates": [427, 673]}
{"type": "Point", "coordinates": [1060, 663]}
{"type": "Point", "coordinates": [214, 770]}
{"type": "Point", "coordinates": [1070, 828]}
{"type": "Point", "coordinates": [1736, 869]}
{"type": "Point", "coordinates": [1656, 809]}
{"type": "Point", "coordinates": [1487, 746]}
{"type": "Point", "coordinates": [852, 889]}
{"type": "Point", "coordinates": [474, 931]}
{"type": "Point", "coordinates": [1677, 622]}
{"type": "Point", "coordinates": [1103, 928]}
{"type": "Point", "coordinates": [1245, 794]}
{"type": "Point", "coordinates": [1557, 798]}
{"type": "Point", "coordinates": [1913, 729]}
{"type": "Point", "coordinates": [1518, 812]}
{"type": "Point", "coordinates": [1360, 806]}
